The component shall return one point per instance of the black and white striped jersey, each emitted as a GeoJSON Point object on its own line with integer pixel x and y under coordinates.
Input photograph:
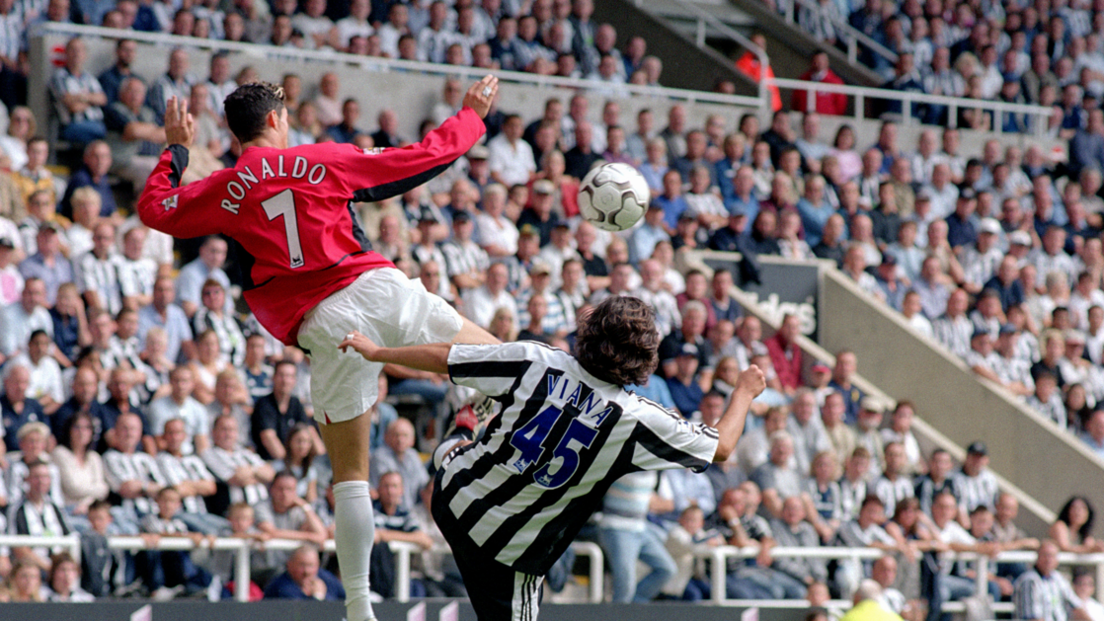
{"type": "Point", "coordinates": [523, 491]}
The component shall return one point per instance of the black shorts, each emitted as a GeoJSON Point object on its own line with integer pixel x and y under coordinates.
{"type": "Point", "coordinates": [497, 591]}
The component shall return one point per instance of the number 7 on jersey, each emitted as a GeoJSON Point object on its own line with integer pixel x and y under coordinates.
{"type": "Point", "coordinates": [283, 204]}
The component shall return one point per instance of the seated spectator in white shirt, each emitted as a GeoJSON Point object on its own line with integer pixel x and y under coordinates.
{"type": "Point", "coordinates": [180, 404]}
{"type": "Point", "coordinates": [45, 373]}
{"type": "Point", "coordinates": [511, 158]}
{"type": "Point", "coordinates": [480, 304]}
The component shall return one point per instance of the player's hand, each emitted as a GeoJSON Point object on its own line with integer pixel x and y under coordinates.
{"type": "Point", "coordinates": [752, 380]}
{"type": "Point", "coordinates": [361, 344]}
{"type": "Point", "coordinates": [179, 124]}
{"type": "Point", "coordinates": [481, 94]}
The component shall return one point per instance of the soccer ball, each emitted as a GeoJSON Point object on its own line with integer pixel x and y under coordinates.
{"type": "Point", "coordinates": [613, 196]}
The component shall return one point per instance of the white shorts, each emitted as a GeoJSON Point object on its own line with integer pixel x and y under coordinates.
{"type": "Point", "coordinates": [387, 307]}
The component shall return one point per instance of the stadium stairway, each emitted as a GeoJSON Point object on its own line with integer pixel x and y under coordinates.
{"type": "Point", "coordinates": [685, 65]}
{"type": "Point", "coordinates": [790, 47]}
{"type": "Point", "coordinates": [1034, 460]}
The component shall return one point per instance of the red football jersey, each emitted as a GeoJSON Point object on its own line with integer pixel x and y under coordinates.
{"type": "Point", "coordinates": [291, 211]}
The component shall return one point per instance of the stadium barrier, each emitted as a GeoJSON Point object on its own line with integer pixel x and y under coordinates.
{"type": "Point", "coordinates": [242, 549]}
{"type": "Point", "coordinates": [719, 555]}
{"type": "Point", "coordinates": [1037, 115]}
{"type": "Point", "coordinates": [717, 558]}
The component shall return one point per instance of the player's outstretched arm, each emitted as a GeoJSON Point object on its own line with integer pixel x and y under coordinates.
{"type": "Point", "coordinates": [432, 357]}
{"type": "Point", "coordinates": [750, 383]}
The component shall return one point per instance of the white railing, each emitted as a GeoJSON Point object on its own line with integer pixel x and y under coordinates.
{"type": "Point", "coordinates": [242, 549]}
{"type": "Point", "coordinates": [851, 36]}
{"type": "Point", "coordinates": [1038, 114]}
{"type": "Point", "coordinates": [388, 65]}
{"type": "Point", "coordinates": [718, 557]}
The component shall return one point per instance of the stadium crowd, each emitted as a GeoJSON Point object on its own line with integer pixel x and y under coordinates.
{"type": "Point", "coordinates": [1049, 53]}
{"type": "Point", "coordinates": [140, 397]}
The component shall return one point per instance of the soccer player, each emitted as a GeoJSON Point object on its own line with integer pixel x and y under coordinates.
{"type": "Point", "coordinates": [511, 503]}
{"type": "Point", "coordinates": [312, 276]}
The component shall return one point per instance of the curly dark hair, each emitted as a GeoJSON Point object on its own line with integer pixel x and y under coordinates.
{"type": "Point", "coordinates": [618, 342]}
{"type": "Point", "coordinates": [248, 105]}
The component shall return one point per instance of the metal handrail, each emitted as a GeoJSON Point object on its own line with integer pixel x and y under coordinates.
{"type": "Point", "coordinates": [718, 556]}
{"type": "Point", "coordinates": [386, 65]}
{"type": "Point", "coordinates": [907, 98]}
{"type": "Point", "coordinates": [853, 35]}
{"type": "Point", "coordinates": [242, 548]}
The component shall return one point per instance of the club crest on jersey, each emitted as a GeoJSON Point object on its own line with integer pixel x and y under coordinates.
{"type": "Point", "coordinates": [373, 151]}
{"type": "Point", "coordinates": [170, 202]}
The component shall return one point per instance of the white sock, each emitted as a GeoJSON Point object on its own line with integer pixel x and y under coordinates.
{"type": "Point", "coordinates": [355, 530]}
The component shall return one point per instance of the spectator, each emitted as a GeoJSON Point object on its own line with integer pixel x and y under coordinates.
{"type": "Point", "coordinates": [48, 264]}
{"type": "Point", "coordinates": [180, 404]}
{"type": "Point", "coordinates": [78, 97]}
{"type": "Point", "coordinates": [682, 541]}
{"type": "Point", "coordinates": [894, 484]}
{"type": "Point", "coordinates": [976, 484]}
{"type": "Point", "coordinates": [134, 133]}
{"type": "Point", "coordinates": [1072, 531]}
{"type": "Point", "coordinates": [191, 479]}
{"type": "Point", "coordinates": [65, 580]}
{"type": "Point", "coordinates": [304, 578]}
{"type": "Point", "coordinates": [37, 514]}
{"type": "Point", "coordinates": [864, 531]}
{"type": "Point", "coordinates": [785, 354]}
{"type": "Point", "coordinates": [286, 515]}
{"type": "Point", "coordinates": [168, 573]}
{"type": "Point", "coordinates": [175, 82]}
{"type": "Point", "coordinates": [82, 477]}
{"type": "Point", "coordinates": [394, 522]}
{"type": "Point", "coordinates": [777, 477]}
{"type": "Point", "coordinates": [511, 159]}
{"type": "Point", "coordinates": [131, 474]}
{"type": "Point", "coordinates": [628, 538]}
{"type": "Point", "coordinates": [26, 582]}
{"type": "Point", "coordinates": [45, 374]}
{"type": "Point", "coordinates": [1043, 593]}
{"type": "Point", "coordinates": [791, 529]}
{"type": "Point", "coordinates": [212, 257]}
{"type": "Point", "coordinates": [398, 455]}
{"type": "Point", "coordinates": [821, 102]}
{"type": "Point", "coordinates": [275, 414]}
{"type": "Point", "coordinates": [162, 313]}
{"type": "Point", "coordinates": [245, 474]}
{"type": "Point", "coordinates": [18, 410]}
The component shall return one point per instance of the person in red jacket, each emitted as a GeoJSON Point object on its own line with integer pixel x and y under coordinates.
{"type": "Point", "coordinates": [748, 64]}
{"type": "Point", "coordinates": [313, 277]}
{"type": "Point", "coordinates": [826, 103]}
{"type": "Point", "coordinates": [785, 354]}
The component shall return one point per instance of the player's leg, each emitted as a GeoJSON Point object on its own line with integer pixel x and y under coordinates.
{"type": "Point", "coordinates": [343, 387]}
{"type": "Point", "coordinates": [354, 523]}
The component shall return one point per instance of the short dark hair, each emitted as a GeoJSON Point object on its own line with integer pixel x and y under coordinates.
{"type": "Point", "coordinates": [248, 105]}
{"type": "Point", "coordinates": [618, 343]}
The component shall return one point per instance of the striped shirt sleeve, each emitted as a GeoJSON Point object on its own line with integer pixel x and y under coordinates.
{"type": "Point", "coordinates": [491, 369]}
{"type": "Point", "coordinates": [669, 440]}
